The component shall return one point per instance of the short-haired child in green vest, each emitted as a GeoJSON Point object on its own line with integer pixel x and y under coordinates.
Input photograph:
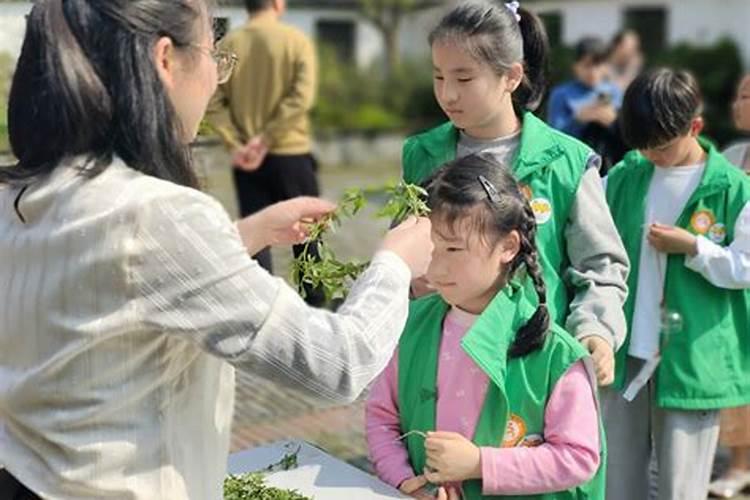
{"type": "Point", "coordinates": [489, 63]}
{"type": "Point", "coordinates": [485, 395]}
{"type": "Point", "coordinates": [682, 211]}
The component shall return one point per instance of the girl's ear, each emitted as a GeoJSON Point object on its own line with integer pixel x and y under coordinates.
{"type": "Point", "coordinates": [509, 246]}
{"type": "Point", "coordinates": [514, 76]}
{"type": "Point", "coordinates": [163, 54]}
{"type": "Point", "coordinates": [696, 127]}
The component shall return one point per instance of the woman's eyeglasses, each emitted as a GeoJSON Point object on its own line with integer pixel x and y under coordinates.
{"type": "Point", "coordinates": [225, 61]}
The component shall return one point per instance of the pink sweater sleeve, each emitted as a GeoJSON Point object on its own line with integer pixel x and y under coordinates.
{"type": "Point", "coordinates": [383, 427]}
{"type": "Point", "coordinates": [570, 454]}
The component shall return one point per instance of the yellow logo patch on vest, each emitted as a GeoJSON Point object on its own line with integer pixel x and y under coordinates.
{"type": "Point", "coordinates": [526, 191]}
{"type": "Point", "coordinates": [702, 220]}
{"type": "Point", "coordinates": [717, 232]}
{"type": "Point", "coordinates": [542, 209]}
{"type": "Point", "coordinates": [515, 431]}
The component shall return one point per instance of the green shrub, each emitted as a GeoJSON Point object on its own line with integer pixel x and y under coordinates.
{"type": "Point", "coordinates": [4, 144]}
{"type": "Point", "coordinates": [352, 99]}
{"type": "Point", "coordinates": [6, 74]}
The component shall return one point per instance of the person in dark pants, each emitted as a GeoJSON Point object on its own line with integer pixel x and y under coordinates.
{"type": "Point", "coordinates": [261, 114]}
{"type": "Point", "coordinates": [279, 178]}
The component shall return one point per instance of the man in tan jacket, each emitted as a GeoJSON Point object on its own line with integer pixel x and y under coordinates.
{"type": "Point", "coordinates": [261, 113]}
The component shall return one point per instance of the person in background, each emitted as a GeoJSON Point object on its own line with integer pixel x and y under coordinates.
{"type": "Point", "coordinates": [261, 114]}
{"type": "Point", "coordinates": [683, 213]}
{"type": "Point", "coordinates": [586, 107]}
{"type": "Point", "coordinates": [739, 152]}
{"type": "Point", "coordinates": [735, 422]}
{"type": "Point", "coordinates": [625, 58]}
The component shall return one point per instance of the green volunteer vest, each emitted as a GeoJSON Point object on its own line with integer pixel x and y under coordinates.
{"type": "Point", "coordinates": [707, 364]}
{"type": "Point", "coordinates": [549, 165]}
{"type": "Point", "coordinates": [518, 391]}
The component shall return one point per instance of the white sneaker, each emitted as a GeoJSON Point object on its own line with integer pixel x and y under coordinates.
{"type": "Point", "coordinates": [730, 485]}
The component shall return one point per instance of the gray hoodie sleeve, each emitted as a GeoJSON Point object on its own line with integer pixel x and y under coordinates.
{"type": "Point", "coordinates": [599, 265]}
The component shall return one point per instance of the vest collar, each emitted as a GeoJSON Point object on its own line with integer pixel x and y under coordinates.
{"type": "Point", "coordinates": [538, 146]}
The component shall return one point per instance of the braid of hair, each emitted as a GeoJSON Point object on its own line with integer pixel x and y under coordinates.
{"type": "Point", "coordinates": [531, 336]}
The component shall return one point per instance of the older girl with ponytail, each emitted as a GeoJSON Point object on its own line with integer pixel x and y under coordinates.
{"type": "Point", "coordinates": [486, 396]}
{"type": "Point", "coordinates": [489, 62]}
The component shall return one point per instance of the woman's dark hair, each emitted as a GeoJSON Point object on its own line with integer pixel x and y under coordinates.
{"type": "Point", "coordinates": [456, 191]}
{"type": "Point", "coordinates": [490, 32]}
{"type": "Point", "coordinates": [658, 107]}
{"type": "Point", "coordinates": [593, 48]}
{"type": "Point", "coordinates": [86, 84]}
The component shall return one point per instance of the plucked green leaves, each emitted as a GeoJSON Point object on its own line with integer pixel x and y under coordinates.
{"type": "Point", "coordinates": [329, 273]}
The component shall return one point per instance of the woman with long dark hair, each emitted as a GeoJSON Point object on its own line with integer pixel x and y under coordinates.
{"type": "Point", "coordinates": [126, 294]}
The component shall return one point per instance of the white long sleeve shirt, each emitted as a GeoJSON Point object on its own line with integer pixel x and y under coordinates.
{"type": "Point", "coordinates": [668, 193]}
{"type": "Point", "coordinates": [724, 267]}
{"type": "Point", "coordinates": [124, 302]}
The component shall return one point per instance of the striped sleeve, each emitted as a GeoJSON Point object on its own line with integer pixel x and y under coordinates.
{"type": "Point", "coordinates": [193, 278]}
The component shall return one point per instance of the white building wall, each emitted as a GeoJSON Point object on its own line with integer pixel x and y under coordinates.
{"type": "Point", "coordinates": [13, 26]}
{"type": "Point", "coordinates": [694, 21]}
{"type": "Point", "coordinates": [368, 45]}
{"type": "Point", "coordinates": [415, 29]}
{"type": "Point", "coordinates": [701, 22]}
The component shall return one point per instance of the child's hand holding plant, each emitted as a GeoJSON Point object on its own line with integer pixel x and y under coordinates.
{"type": "Point", "coordinates": [415, 487]}
{"type": "Point", "coordinates": [451, 458]}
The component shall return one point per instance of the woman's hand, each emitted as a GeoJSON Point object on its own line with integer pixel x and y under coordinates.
{"type": "Point", "coordinates": [284, 223]}
{"type": "Point", "coordinates": [411, 241]}
{"type": "Point", "coordinates": [452, 458]}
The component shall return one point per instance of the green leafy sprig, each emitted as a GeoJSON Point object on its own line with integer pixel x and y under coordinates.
{"type": "Point", "coordinates": [404, 200]}
{"type": "Point", "coordinates": [253, 485]}
{"type": "Point", "coordinates": [329, 273]}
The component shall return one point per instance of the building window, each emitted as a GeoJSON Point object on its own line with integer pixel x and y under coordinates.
{"type": "Point", "coordinates": [553, 24]}
{"type": "Point", "coordinates": [651, 24]}
{"type": "Point", "coordinates": [339, 36]}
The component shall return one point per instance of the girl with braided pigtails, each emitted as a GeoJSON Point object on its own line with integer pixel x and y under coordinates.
{"type": "Point", "coordinates": [486, 396]}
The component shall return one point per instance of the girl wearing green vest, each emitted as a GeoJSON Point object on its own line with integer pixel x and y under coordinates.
{"type": "Point", "coordinates": [489, 61]}
{"type": "Point", "coordinates": [682, 211]}
{"type": "Point", "coordinates": [485, 395]}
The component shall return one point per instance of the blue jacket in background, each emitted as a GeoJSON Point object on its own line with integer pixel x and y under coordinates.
{"type": "Point", "coordinates": [567, 98]}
